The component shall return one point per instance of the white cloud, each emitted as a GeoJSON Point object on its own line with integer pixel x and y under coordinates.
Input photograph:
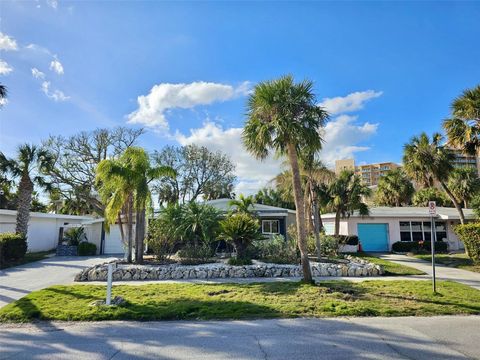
{"type": "Point", "coordinates": [56, 66]}
{"type": "Point", "coordinates": [53, 4]}
{"type": "Point", "coordinates": [3, 101]}
{"type": "Point", "coordinates": [252, 174]}
{"type": "Point", "coordinates": [5, 68]}
{"type": "Point", "coordinates": [7, 43]}
{"type": "Point", "coordinates": [342, 136]}
{"type": "Point", "coordinates": [162, 97]}
{"type": "Point", "coordinates": [55, 95]}
{"type": "Point", "coordinates": [37, 74]}
{"type": "Point", "coordinates": [352, 102]}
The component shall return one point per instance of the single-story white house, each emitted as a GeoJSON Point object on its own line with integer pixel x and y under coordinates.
{"type": "Point", "coordinates": [274, 220]}
{"type": "Point", "coordinates": [387, 225]}
{"type": "Point", "coordinates": [45, 230]}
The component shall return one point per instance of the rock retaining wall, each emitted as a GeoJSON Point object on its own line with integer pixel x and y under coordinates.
{"type": "Point", "coordinates": [123, 272]}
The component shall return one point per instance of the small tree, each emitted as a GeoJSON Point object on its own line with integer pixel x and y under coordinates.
{"type": "Point", "coordinates": [240, 229]}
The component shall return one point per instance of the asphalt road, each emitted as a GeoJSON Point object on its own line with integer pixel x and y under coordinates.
{"type": "Point", "coordinates": [353, 338]}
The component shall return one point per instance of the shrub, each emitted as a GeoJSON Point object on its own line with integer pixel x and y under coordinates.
{"type": "Point", "coordinates": [239, 261]}
{"type": "Point", "coordinates": [277, 250]}
{"type": "Point", "coordinates": [470, 235]}
{"type": "Point", "coordinates": [12, 247]}
{"type": "Point", "coordinates": [75, 236]}
{"type": "Point", "coordinates": [86, 249]}
{"type": "Point", "coordinates": [329, 245]}
{"type": "Point", "coordinates": [193, 255]}
{"type": "Point", "coordinates": [240, 229]}
{"type": "Point", "coordinates": [419, 246]}
{"type": "Point", "coordinates": [161, 238]}
{"type": "Point", "coordinates": [311, 244]}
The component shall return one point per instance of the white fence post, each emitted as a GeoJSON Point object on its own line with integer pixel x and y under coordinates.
{"type": "Point", "coordinates": [109, 284]}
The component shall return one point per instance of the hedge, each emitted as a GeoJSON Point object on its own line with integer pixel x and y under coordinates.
{"type": "Point", "coordinates": [414, 246]}
{"type": "Point", "coordinates": [12, 247]}
{"type": "Point", "coordinates": [470, 235]}
{"type": "Point", "coordinates": [86, 249]}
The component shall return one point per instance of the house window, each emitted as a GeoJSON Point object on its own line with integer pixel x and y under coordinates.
{"type": "Point", "coordinates": [270, 226]}
{"type": "Point", "coordinates": [419, 231]}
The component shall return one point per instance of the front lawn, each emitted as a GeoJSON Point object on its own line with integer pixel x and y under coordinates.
{"type": "Point", "coordinates": [28, 258]}
{"type": "Point", "coordinates": [391, 268]}
{"type": "Point", "coordinates": [460, 261]}
{"type": "Point", "coordinates": [246, 301]}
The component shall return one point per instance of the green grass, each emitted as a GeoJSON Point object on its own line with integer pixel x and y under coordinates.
{"type": "Point", "coordinates": [391, 269]}
{"type": "Point", "coordinates": [28, 258]}
{"type": "Point", "coordinates": [460, 261]}
{"type": "Point", "coordinates": [246, 301]}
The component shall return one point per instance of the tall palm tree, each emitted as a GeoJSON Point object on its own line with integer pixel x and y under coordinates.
{"type": "Point", "coordinates": [124, 184]}
{"type": "Point", "coordinates": [422, 157]}
{"type": "Point", "coordinates": [3, 94]}
{"type": "Point", "coordinates": [464, 184]}
{"type": "Point", "coordinates": [283, 116]}
{"type": "Point", "coordinates": [345, 195]}
{"type": "Point", "coordinates": [394, 189]}
{"type": "Point", "coordinates": [30, 165]}
{"type": "Point", "coordinates": [463, 128]}
{"type": "Point", "coordinates": [243, 204]}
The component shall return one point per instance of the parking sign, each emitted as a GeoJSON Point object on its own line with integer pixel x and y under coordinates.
{"type": "Point", "coordinates": [432, 208]}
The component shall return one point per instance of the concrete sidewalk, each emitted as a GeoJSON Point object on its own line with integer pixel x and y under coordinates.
{"type": "Point", "coordinates": [18, 281]}
{"type": "Point", "coordinates": [439, 338]}
{"type": "Point", "coordinates": [443, 272]}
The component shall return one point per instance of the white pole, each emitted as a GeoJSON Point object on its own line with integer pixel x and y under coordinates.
{"type": "Point", "coordinates": [109, 284]}
{"type": "Point", "coordinates": [432, 241]}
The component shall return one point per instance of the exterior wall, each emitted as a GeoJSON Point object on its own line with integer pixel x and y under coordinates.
{"type": "Point", "coordinates": [350, 227]}
{"type": "Point", "coordinates": [345, 164]}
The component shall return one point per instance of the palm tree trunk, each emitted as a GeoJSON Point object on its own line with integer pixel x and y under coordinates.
{"type": "Point", "coordinates": [139, 235]}
{"type": "Point", "coordinates": [455, 202]}
{"type": "Point", "coordinates": [300, 213]}
{"type": "Point", "coordinates": [130, 227]}
{"type": "Point", "coordinates": [337, 223]}
{"type": "Point", "coordinates": [316, 223]}
{"type": "Point", "coordinates": [308, 211]}
{"type": "Point", "coordinates": [25, 190]}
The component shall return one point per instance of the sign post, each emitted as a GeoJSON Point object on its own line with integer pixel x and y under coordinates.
{"type": "Point", "coordinates": [108, 300]}
{"type": "Point", "coordinates": [432, 210]}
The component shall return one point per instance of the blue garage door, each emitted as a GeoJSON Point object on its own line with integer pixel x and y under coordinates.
{"type": "Point", "coordinates": [374, 237]}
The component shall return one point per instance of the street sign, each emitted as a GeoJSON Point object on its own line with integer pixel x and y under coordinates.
{"type": "Point", "coordinates": [432, 208]}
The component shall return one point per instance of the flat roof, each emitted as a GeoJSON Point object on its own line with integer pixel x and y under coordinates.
{"type": "Point", "coordinates": [445, 213]}
{"type": "Point", "coordinates": [48, 215]}
{"type": "Point", "coordinates": [223, 205]}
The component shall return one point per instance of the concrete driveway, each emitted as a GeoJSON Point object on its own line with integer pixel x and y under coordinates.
{"type": "Point", "coordinates": [18, 281]}
{"type": "Point", "coordinates": [438, 338]}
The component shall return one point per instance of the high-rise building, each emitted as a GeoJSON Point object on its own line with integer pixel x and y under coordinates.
{"type": "Point", "coordinates": [463, 160]}
{"type": "Point", "coordinates": [369, 173]}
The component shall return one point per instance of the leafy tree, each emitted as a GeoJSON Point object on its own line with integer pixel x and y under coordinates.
{"type": "Point", "coordinates": [345, 195]}
{"type": "Point", "coordinates": [200, 173]}
{"type": "Point", "coordinates": [283, 116]}
{"type": "Point", "coordinates": [272, 197]}
{"type": "Point", "coordinates": [29, 165]}
{"type": "Point", "coordinates": [464, 183]}
{"type": "Point", "coordinates": [424, 158]}
{"type": "Point", "coordinates": [240, 229]}
{"type": "Point", "coordinates": [423, 196]}
{"type": "Point", "coordinates": [394, 189]}
{"type": "Point", "coordinates": [76, 159]}
{"type": "Point", "coordinates": [463, 128]}
{"type": "Point", "coordinates": [244, 204]}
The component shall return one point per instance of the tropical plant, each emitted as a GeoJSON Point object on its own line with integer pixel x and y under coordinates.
{"type": "Point", "coordinates": [394, 189]}
{"type": "Point", "coordinates": [423, 196]}
{"type": "Point", "coordinates": [243, 204]}
{"type": "Point", "coordinates": [273, 197]}
{"type": "Point", "coordinates": [277, 250]}
{"type": "Point", "coordinates": [3, 94]}
{"type": "Point", "coordinates": [463, 128]}
{"type": "Point", "coordinates": [345, 195]}
{"type": "Point", "coordinates": [240, 229]}
{"type": "Point", "coordinates": [199, 223]}
{"type": "Point", "coordinates": [464, 184]}
{"type": "Point", "coordinates": [424, 158]}
{"type": "Point", "coordinates": [283, 116]}
{"type": "Point", "coordinates": [75, 235]}
{"type": "Point", "coordinates": [162, 237]}
{"type": "Point", "coordinates": [30, 165]}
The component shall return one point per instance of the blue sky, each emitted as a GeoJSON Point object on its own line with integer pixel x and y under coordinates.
{"type": "Point", "coordinates": [385, 70]}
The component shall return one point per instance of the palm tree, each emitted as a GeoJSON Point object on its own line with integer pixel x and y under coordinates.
{"type": "Point", "coordinates": [283, 116]}
{"type": "Point", "coordinates": [422, 157]}
{"type": "Point", "coordinates": [244, 204]}
{"type": "Point", "coordinates": [345, 195]}
{"type": "Point", "coordinates": [463, 128]}
{"type": "Point", "coordinates": [464, 184]}
{"type": "Point", "coordinates": [3, 94]}
{"type": "Point", "coordinates": [124, 184]}
{"type": "Point", "coordinates": [394, 189]}
{"type": "Point", "coordinates": [30, 164]}
{"type": "Point", "coordinates": [199, 222]}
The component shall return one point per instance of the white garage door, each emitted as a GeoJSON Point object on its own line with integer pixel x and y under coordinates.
{"type": "Point", "coordinates": [113, 241]}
